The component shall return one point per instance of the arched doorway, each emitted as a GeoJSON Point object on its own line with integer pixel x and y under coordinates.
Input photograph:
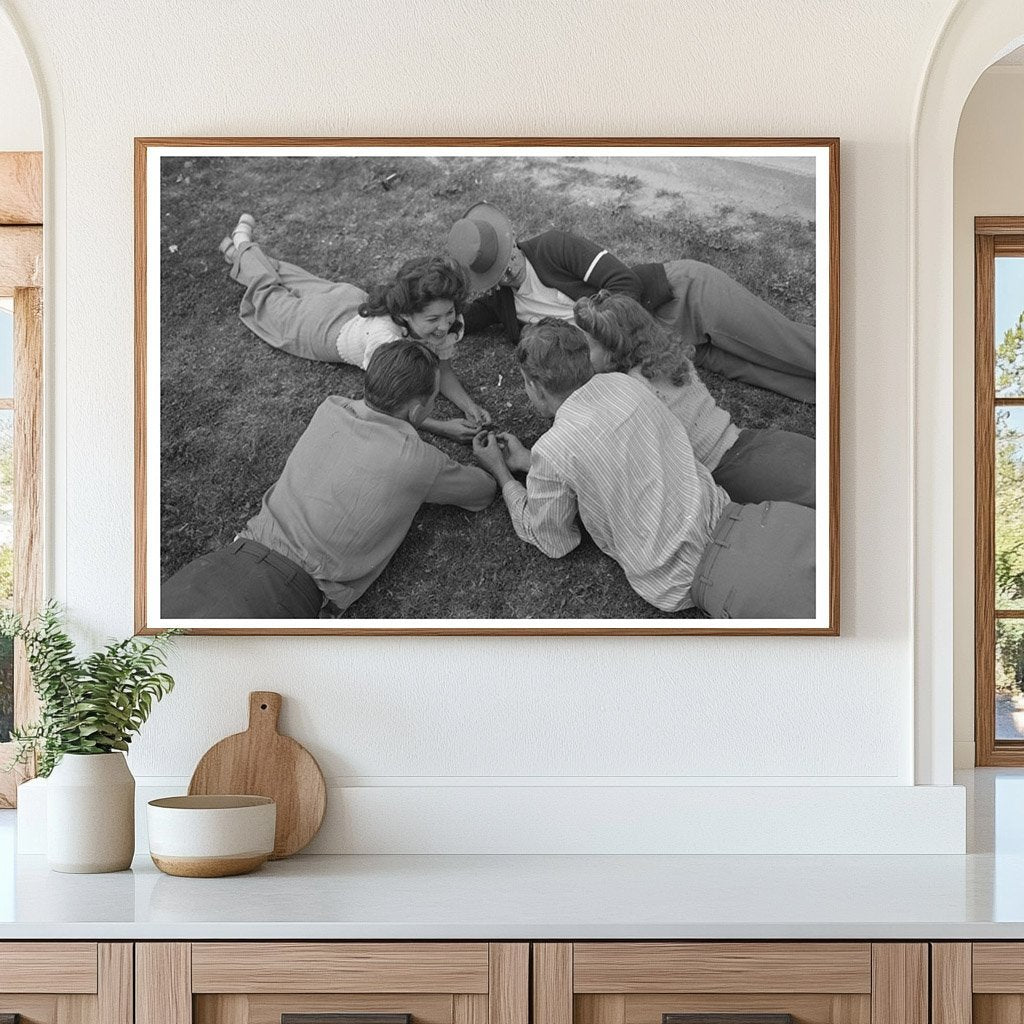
{"type": "Point", "coordinates": [977, 33]}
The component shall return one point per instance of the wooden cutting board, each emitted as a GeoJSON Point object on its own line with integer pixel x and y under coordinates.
{"type": "Point", "coordinates": [262, 762]}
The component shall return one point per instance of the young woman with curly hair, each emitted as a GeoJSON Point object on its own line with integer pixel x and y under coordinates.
{"type": "Point", "coordinates": [337, 322]}
{"type": "Point", "coordinates": [753, 465]}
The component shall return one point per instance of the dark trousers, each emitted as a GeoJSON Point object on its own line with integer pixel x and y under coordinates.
{"type": "Point", "coordinates": [759, 563]}
{"type": "Point", "coordinates": [243, 580]}
{"type": "Point", "coordinates": [735, 333]}
{"type": "Point", "coordinates": [769, 465]}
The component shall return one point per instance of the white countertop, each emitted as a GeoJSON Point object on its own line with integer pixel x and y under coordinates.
{"type": "Point", "coordinates": [517, 897]}
{"type": "Point", "coordinates": [977, 896]}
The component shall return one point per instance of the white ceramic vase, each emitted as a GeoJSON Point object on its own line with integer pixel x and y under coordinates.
{"type": "Point", "coordinates": [90, 814]}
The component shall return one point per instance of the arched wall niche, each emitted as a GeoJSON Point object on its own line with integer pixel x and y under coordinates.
{"type": "Point", "coordinates": [976, 34]}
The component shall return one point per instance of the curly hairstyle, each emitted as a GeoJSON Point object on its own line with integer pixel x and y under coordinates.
{"type": "Point", "coordinates": [419, 282]}
{"type": "Point", "coordinates": [632, 337]}
{"type": "Point", "coordinates": [554, 353]}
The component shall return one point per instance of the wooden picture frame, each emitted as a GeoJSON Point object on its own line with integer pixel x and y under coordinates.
{"type": "Point", "coordinates": [348, 218]}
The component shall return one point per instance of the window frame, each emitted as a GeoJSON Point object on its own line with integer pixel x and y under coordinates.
{"type": "Point", "coordinates": [21, 278]}
{"type": "Point", "coordinates": [993, 237]}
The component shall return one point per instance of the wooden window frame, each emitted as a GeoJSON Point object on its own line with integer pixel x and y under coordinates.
{"type": "Point", "coordinates": [993, 237]}
{"type": "Point", "coordinates": [21, 278]}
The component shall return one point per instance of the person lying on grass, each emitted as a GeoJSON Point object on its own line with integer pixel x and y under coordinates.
{"type": "Point", "coordinates": [733, 332]}
{"type": "Point", "coordinates": [337, 322]}
{"type": "Point", "coordinates": [619, 459]}
{"type": "Point", "coordinates": [752, 465]}
{"type": "Point", "coordinates": [341, 507]}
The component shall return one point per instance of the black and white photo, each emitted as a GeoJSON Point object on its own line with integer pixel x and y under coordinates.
{"type": "Point", "coordinates": [397, 386]}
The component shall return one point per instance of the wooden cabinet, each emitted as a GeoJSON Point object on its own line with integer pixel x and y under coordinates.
{"type": "Point", "coordinates": [650, 982]}
{"type": "Point", "coordinates": [262, 982]}
{"type": "Point", "coordinates": [978, 983]}
{"type": "Point", "coordinates": [66, 982]}
{"type": "Point", "coordinates": [512, 982]}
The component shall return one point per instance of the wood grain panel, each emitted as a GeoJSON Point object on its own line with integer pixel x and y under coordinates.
{"type": "Point", "coordinates": [339, 967]}
{"type": "Point", "coordinates": [28, 483]}
{"type": "Point", "coordinates": [267, 1009]}
{"type": "Point", "coordinates": [899, 983]}
{"type": "Point", "coordinates": [997, 225]}
{"type": "Point", "coordinates": [984, 502]}
{"type": "Point", "coordinates": [552, 983]}
{"type": "Point", "coordinates": [163, 983]}
{"type": "Point", "coordinates": [848, 1009]}
{"type": "Point", "coordinates": [951, 983]}
{"type": "Point", "coordinates": [21, 188]}
{"type": "Point", "coordinates": [508, 993]}
{"type": "Point", "coordinates": [998, 1009]}
{"type": "Point", "coordinates": [34, 1009]}
{"type": "Point", "coordinates": [636, 967]}
{"type": "Point", "coordinates": [592, 1009]}
{"type": "Point", "coordinates": [469, 1009]}
{"type": "Point", "coordinates": [115, 983]}
{"type": "Point", "coordinates": [805, 1008]}
{"type": "Point", "coordinates": [229, 1009]}
{"type": "Point", "coordinates": [998, 967]}
{"type": "Point", "coordinates": [65, 967]}
{"type": "Point", "coordinates": [21, 259]}
{"type": "Point", "coordinates": [76, 1010]}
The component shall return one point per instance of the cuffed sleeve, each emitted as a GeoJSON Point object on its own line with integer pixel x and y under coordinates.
{"type": "Point", "coordinates": [543, 512]}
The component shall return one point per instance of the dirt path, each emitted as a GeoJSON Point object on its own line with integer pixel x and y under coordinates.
{"type": "Point", "coordinates": [732, 187]}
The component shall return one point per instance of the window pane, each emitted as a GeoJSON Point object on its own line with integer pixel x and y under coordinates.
{"type": "Point", "coordinates": [6, 349]}
{"type": "Point", "coordinates": [6, 567]}
{"type": "Point", "coordinates": [1009, 679]}
{"type": "Point", "coordinates": [1009, 508]}
{"type": "Point", "coordinates": [1009, 338]}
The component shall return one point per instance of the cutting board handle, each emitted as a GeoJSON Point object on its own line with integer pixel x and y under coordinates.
{"type": "Point", "coordinates": [264, 710]}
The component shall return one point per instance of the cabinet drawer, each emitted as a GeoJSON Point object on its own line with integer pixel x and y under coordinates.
{"type": "Point", "coordinates": [58, 967]}
{"type": "Point", "coordinates": [634, 967]}
{"type": "Point", "coordinates": [332, 983]}
{"type": "Point", "coordinates": [730, 983]}
{"type": "Point", "coordinates": [66, 982]}
{"type": "Point", "coordinates": [340, 967]}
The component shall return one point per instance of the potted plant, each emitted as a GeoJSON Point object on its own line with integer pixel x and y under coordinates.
{"type": "Point", "coordinates": [89, 710]}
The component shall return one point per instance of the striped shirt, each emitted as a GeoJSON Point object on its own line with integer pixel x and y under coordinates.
{"type": "Point", "coordinates": [620, 459]}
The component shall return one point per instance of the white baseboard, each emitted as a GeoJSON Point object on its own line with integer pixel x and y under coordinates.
{"type": "Point", "coordinates": [571, 819]}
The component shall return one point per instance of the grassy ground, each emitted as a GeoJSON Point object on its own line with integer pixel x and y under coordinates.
{"type": "Point", "coordinates": [233, 407]}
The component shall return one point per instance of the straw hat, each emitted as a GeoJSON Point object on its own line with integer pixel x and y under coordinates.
{"type": "Point", "coordinates": [482, 243]}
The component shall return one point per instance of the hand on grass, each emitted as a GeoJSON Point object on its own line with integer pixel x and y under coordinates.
{"type": "Point", "coordinates": [478, 415]}
{"type": "Point", "coordinates": [517, 455]}
{"type": "Point", "coordinates": [487, 451]}
{"type": "Point", "coordinates": [463, 430]}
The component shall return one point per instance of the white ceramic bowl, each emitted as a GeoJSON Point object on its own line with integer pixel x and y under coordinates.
{"type": "Point", "coordinates": [211, 836]}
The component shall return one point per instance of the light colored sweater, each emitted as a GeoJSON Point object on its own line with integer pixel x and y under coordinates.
{"type": "Point", "coordinates": [712, 432]}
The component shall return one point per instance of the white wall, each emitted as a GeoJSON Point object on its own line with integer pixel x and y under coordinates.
{"type": "Point", "coordinates": [432, 716]}
{"type": "Point", "coordinates": [21, 127]}
{"type": "Point", "coordinates": [987, 182]}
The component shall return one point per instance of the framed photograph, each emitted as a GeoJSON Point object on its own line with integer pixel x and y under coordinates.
{"type": "Point", "coordinates": [497, 386]}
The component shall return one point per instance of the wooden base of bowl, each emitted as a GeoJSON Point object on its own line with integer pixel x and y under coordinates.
{"type": "Point", "coordinates": [209, 867]}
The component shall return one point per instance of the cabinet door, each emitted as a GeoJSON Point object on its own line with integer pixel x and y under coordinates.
{"type": "Point", "coordinates": [332, 983]}
{"type": "Point", "coordinates": [981, 982]}
{"type": "Point", "coordinates": [66, 983]}
{"type": "Point", "coordinates": [730, 983]}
